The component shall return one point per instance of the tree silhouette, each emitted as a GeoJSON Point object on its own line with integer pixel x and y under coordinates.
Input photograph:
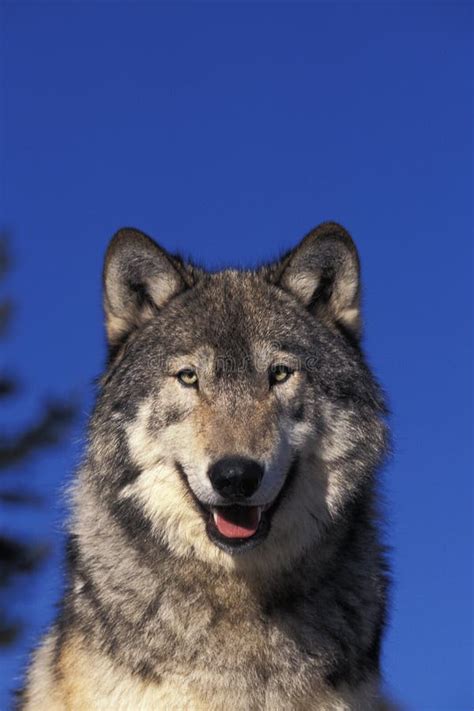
{"type": "Point", "coordinates": [49, 429]}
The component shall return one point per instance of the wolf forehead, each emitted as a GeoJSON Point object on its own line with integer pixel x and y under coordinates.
{"type": "Point", "coordinates": [229, 317]}
{"type": "Point", "coordinates": [319, 278]}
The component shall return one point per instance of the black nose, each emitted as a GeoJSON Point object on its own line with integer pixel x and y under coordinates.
{"type": "Point", "coordinates": [236, 477]}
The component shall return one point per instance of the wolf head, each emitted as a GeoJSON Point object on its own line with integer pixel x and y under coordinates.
{"type": "Point", "coordinates": [237, 418]}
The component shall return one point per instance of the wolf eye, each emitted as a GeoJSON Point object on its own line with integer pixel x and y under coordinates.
{"type": "Point", "coordinates": [279, 374]}
{"type": "Point", "coordinates": [187, 377]}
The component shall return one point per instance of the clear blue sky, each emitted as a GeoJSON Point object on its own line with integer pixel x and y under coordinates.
{"type": "Point", "coordinates": [227, 131]}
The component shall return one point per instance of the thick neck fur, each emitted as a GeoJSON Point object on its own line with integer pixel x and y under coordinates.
{"type": "Point", "coordinates": [153, 613]}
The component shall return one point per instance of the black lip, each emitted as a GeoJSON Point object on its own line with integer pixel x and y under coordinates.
{"type": "Point", "coordinates": [235, 546]}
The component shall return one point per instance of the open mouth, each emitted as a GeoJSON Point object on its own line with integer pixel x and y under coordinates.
{"type": "Point", "coordinates": [237, 521]}
{"type": "Point", "coordinates": [236, 528]}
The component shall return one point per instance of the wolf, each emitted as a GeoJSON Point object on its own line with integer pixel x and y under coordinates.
{"type": "Point", "coordinates": [224, 546]}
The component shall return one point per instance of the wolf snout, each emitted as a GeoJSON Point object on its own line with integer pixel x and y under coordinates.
{"type": "Point", "coordinates": [236, 477]}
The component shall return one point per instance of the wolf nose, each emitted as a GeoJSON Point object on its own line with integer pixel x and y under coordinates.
{"type": "Point", "coordinates": [236, 477]}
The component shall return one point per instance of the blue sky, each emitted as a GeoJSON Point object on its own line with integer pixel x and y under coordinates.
{"type": "Point", "coordinates": [227, 131]}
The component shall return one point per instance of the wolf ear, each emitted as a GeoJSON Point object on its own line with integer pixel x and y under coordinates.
{"type": "Point", "coordinates": [323, 273]}
{"type": "Point", "coordinates": [139, 278]}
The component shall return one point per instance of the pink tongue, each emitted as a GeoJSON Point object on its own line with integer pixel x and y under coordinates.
{"type": "Point", "coordinates": [240, 524]}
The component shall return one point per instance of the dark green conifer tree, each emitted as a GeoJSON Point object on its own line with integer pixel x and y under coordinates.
{"type": "Point", "coordinates": [18, 556]}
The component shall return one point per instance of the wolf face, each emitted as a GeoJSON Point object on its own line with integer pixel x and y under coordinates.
{"type": "Point", "coordinates": [237, 416]}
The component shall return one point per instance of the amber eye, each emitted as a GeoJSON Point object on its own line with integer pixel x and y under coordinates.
{"type": "Point", "coordinates": [279, 374]}
{"type": "Point", "coordinates": [187, 377]}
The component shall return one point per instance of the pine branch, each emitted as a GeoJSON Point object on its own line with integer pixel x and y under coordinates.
{"type": "Point", "coordinates": [8, 386]}
{"type": "Point", "coordinates": [19, 498]}
{"type": "Point", "coordinates": [5, 256]}
{"type": "Point", "coordinates": [18, 557]}
{"type": "Point", "coordinates": [6, 310]}
{"type": "Point", "coordinates": [47, 432]}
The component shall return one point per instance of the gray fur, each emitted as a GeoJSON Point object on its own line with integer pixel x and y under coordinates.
{"type": "Point", "coordinates": [294, 622]}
